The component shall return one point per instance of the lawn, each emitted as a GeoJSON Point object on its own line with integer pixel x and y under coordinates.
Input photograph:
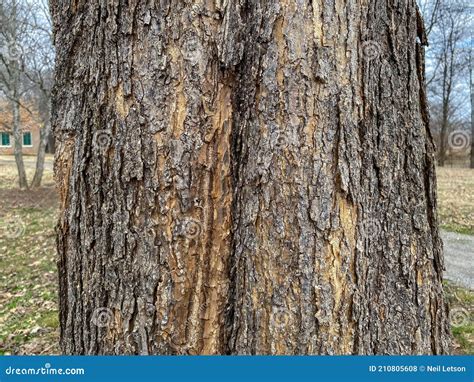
{"type": "Point", "coordinates": [28, 279]}
{"type": "Point", "coordinates": [461, 302]}
{"type": "Point", "coordinates": [456, 199]}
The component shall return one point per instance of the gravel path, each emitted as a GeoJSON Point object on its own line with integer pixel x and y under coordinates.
{"type": "Point", "coordinates": [459, 258]}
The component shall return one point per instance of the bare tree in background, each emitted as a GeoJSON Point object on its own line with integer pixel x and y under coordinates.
{"type": "Point", "coordinates": [447, 65]}
{"type": "Point", "coordinates": [39, 70]}
{"type": "Point", "coordinates": [13, 29]}
{"type": "Point", "coordinates": [430, 12]}
{"type": "Point", "coordinates": [26, 66]}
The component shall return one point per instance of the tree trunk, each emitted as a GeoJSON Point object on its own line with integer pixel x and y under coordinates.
{"type": "Point", "coordinates": [245, 178]}
{"type": "Point", "coordinates": [443, 135]}
{"type": "Point", "coordinates": [50, 145]}
{"type": "Point", "coordinates": [17, 150]}
{"type": "Point", "coordinates": [40, 156]}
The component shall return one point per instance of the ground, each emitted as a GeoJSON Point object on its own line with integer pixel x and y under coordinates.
{"type": "Point", "coordinates": [456, 199]}
{"type": "Point", "coordinates": [28, 298]}
{"type": "Point", "coordinates": [28, 279]}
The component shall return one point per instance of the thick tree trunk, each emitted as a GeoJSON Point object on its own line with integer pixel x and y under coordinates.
{"type": "Point", "coordinates": [245, 178]}
{"type": "Point", "coordinates": [40, 156]}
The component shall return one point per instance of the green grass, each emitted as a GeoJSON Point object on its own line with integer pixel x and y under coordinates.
{"type": "Point", "coordinates": [458, 228]}
{"type": "Point", "coordinates": [456, 199]}
{"type": "Point", "coordinates": [28, 303]}
{"type": "Point", "coordinates": [463, 336]}
{"type": "Point", "coordinates": [461, 300]}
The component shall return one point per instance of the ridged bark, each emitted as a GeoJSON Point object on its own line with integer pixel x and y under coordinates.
{"type": "Point", "coordinates": [245, 178]}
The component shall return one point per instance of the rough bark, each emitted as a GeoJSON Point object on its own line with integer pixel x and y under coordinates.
{"type": "Point", "coordinates": [245, 178]}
